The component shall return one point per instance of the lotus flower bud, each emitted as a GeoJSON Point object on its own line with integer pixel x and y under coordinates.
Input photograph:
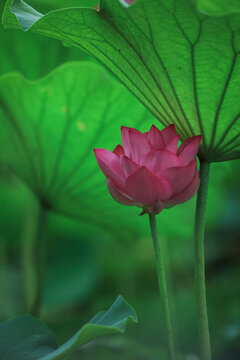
{"type": "Point", "coordinates": [150, 170]}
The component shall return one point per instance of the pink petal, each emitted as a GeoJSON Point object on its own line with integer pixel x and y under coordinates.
{"type": "Point", "coordinates": [188, 150]}
{"type": "Point", "coordinates": [119, 195]}
{"type": "Point", "coordinates": [135, 144]}
{"type": "Point", "coordinates": [172, 145]}
{"type": "Point", "coordinates": [179, 177]}
{"type": "Point", "coordinates": [187, 193]}
{"type": "Point", "coordinates": [168, 133]}
{"type": "Point", "coordinates": [127, 3]}
{"type": "Point", "coordinates": [158, 160]}
{"type": "Point", "coordinates": [109, 163]}
{"type": "Point", "coordinates": [145, 187]}
{"type": "Point", "coordinates": [128, 165]}
{"type": "Point", "coordinates": [145, 134]}
{"type": "Point", "coordinates": [155, 138]}
{"type": "Point", "coordinates": [118, 150]}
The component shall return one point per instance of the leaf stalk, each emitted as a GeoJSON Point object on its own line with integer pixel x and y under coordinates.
{"type": "Point", "coordinates": [205, 346]}
{"type": "Point", "coordinates": [34, 257]}
{"type": "Point", "coordinates": [162, 286]}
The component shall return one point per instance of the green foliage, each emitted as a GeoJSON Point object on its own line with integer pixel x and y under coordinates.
{"type": "Point", "coordinates": [192, 76]}
{"type": "Point", "coordinates": [113, 265]}
{"type": "Point", "coordinates": [15, 45]}
{"type": "Point", "coordinates": [74, 282]}
{"type": "Point", "coordinates": [218, 7]}
{"type": "Point", "coordinates": [48, 5]}
{"type": "Point", "coordinates": [50, 132]}
{"type": "Point", "coordinates": [26, 338]}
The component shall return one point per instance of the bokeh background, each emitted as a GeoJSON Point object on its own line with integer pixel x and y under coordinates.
{"type": "Point", "coordinates": [87, 267]}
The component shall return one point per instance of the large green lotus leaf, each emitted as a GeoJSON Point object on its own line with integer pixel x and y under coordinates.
{"type": "Point", "coordinates": [48, 5]}
{"type": "Point", "coordinates": [219, 7]}
{"type": "Point", "coordinates": [27, 338]}
{"type": "Point", "coordinates": [48, 129]}
{"type": "Point", "coordinates": [183, 65]}
{"type": "Point", "coordinates": [15, 45]}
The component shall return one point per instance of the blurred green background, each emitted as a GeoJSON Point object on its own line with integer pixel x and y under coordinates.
{"type": "Point", "coordinates": [87, 267]}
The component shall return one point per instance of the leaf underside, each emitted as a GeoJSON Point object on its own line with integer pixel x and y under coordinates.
{"type": "Point", "coordinates": [181, 64]}
{"type": "Point", "coordinates": [219, 7]}
{"type": "Point", "coordinates": [26, 338]}
{"type": "Point", "coordinates": [48, 130]}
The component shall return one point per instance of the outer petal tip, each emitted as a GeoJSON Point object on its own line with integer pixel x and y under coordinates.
{"type": "Point", "coordinates": [188, 150]}
{"type": "Point", "coordinates": [135, 144]}
{"type": "Point", "coordinates": [169, 128]}
{"type": "Point", "coordinates": [155, 139]}
{"type": "Point", "coordinates": [118, 150]}
{"type": "Point", "coordinates": [96, 152]}
{"type": "Point", "coordinates": [197, 139]}
{"type": "Point", "coordinates": [153, 127]}
{"type": "Point", "coordinates": [172, 144]}
{"type": "Point", "coordinates": [109, 163]}
{"type": "Point", "coordinates": [168, 133]}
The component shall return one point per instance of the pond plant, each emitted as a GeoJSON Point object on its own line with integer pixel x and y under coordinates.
{"type": "Point", "coordinates": [41, 153]}
{"type": "Point", "coordinates": [150, 172]}
{"type": "Point", "coordinates": [180, 60]}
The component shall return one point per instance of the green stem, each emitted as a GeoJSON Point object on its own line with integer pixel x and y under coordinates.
{"type": "Point", "coordinates": [162, 286]}
{"type": "Point", "coordinates": [34, 257]}
{"type": "Point", "coordinates": [29, 234]}
{"type": "Point", "coordinates": [39, 261]}
{"type": "Point", "coordinates": [205, 346]}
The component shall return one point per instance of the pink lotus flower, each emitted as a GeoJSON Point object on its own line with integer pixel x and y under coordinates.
{"type": "Point", "coordinates": [149, 171]}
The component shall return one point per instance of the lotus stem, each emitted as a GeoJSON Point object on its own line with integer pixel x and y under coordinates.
{"type": "Point", "coordinates": [29, 233]}
{"type": "Point", "coordinates": [34, 257]}
{"type": "Point", "coordinates": [162, 286]}
{"type": "Point", "coordinates": [205, 346]}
